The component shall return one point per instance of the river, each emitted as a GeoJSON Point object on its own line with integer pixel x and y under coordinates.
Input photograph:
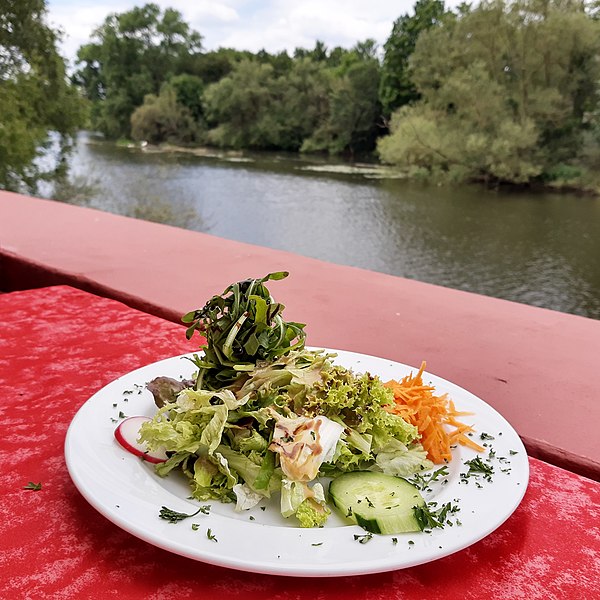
{"type": "Point", "coordinates": [541, 249]}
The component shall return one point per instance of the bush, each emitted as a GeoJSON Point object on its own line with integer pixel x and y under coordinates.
{"type": "Point", "coordinates": [162, 119]}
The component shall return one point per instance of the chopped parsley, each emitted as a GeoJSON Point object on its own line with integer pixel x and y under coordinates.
{"type": "Point", "coordinates": [422, 482]}
{"type": "Point", "coordinates": [210, 535]}
{"type": "Point", "coordinates": [363, 539]}
{"type": "Point", "coordinates": [429, 516]}
{"type": "Point", "coordinates": [34, 487]}
{"type": "Point", "coordinates": [173, 516]}
{"type": "Point", "coordinates": [478, 468]}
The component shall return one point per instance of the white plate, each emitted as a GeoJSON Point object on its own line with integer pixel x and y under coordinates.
{"type": "Point", "coordinates": [127, 492]}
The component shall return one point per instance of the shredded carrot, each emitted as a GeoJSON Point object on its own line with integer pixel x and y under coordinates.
{"type": "Point", "coordinates": [431, 415]}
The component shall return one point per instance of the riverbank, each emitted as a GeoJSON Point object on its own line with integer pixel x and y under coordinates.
{"type": "Point", "coordinates": [325, 164]}
{"type": "Point", "coordinates": [372, 170]}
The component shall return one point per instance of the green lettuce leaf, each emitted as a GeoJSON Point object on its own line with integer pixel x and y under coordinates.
{"type": "Point", "coordinates": [397, 459]}
{"type": "Point", "coordinates": [305, 503]}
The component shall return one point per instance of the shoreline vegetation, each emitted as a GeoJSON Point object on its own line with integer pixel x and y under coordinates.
{"type": "Point", "coordinates": [369, 170]}
{"type": "Point", "coordinates": [499, 93]}
{"type": "Point", "coordinates": [374, 170]}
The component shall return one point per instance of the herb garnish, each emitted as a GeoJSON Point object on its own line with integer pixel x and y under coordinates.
{"type": "Point", "coordinates": [478, 468]}
{"type": "Point", "coordinates": [35, 487]}
{"type": "Point", "coordinates": [363, 539]}
{"type": "Point", "coordinates": [428, 517]}
{"type": "Point", "coordinates": [174, 517]}
{"type": "Point", "coordinates": [422, 482]}
{"type": "Point", "coordinates": [211, 536]}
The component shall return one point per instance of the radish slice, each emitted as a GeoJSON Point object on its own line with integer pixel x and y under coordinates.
{"type": "Point", "coordinates": [127, 433]}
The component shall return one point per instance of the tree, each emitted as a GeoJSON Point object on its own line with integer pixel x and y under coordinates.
{"type": "Point", "coordinates": [351, 124]}
{"type": "Point", "coordinates": [214, 65]}
{"type": "Point", "coordinates": [255, 108]}
{"type": "Point", "coordinates": [189, 90]}
{"type": "Point", "coordinates": [163, 119]}
{"type": "Point", "coordinates": [241, 107]}
{"type": "Point", "coordinates": [34, 93]}
{"type": "Point", "coordinates": [397, 88]}
{"type": "Point", "coordinates": [303, 102]}
{"type": "Point", "coordinates": [132, 54]}
{"type": "Point", "coordinates": [507, 93]}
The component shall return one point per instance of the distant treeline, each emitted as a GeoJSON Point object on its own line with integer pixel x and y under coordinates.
{"type": "Point", "coordinates": [500, 92]}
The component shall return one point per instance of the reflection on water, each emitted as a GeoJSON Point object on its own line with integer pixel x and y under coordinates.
{"type": "Point", "coordinates": [540, 249]}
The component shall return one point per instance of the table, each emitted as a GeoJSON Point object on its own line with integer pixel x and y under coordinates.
{"type": "Point", "coordinates": [59, 345]}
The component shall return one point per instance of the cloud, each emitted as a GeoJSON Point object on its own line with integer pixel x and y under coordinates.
{"type": "Point", "coordinates": [274, 25]}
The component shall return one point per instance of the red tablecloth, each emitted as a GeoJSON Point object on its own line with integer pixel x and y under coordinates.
{"type": "Point", "coordinates": [59, 345]}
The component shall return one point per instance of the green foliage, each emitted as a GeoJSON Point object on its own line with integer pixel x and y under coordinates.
{"type": "Point", "coordinates": [241, 104]}
{"type": "Point", "coordinates": [351, 125]}
{"type": "Point", "coordinates": [212, 66]}
{"type": "Point", "coordinates": [132, 54]}
{"type": "Point", "coordinates": [396, 87]}
{"type": "Point", "coordinates": [189, 90]}
{"type": "Point", "coordinates": [310, 106]}
{"type": "Point", "coordinates": [476, 140]}
{"type": "Point", "coordinates": [163, 119]}
{"type": "Point", "coordinates": [253, 108]}
{"type": "Point", "coordinates": [34, 95]}
{"type": "Point", "coordinates": [506, 90]}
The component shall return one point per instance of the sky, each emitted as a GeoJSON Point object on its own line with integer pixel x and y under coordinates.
{"type": "Point", "coordinates": [274, 25]}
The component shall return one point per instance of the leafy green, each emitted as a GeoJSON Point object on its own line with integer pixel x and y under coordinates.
{"type": "Point", "coordinates": [266, 415]}
{"type": "Point", "coordinates": [395, 458]}
{"type": "Point", "coordinates": [312, 514]}
{"type": "Point", "coordinates": [225, 438]}
{"type": "Point", "coordinates": [306, 504]}
{"type": "Point", "coordinates": [242, 326]}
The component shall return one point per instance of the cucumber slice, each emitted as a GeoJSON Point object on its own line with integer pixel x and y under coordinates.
{"type": "Point", "coordinates": [379, 503]}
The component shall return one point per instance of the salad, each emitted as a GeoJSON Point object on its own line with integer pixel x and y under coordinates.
{"type": "Point", "coordinates": [264, 415]}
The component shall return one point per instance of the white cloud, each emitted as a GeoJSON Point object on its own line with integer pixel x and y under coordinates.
{"type": "Point", "coordinates": [203, 12]}
{"type": "Point", "coordinates": [274, 25]}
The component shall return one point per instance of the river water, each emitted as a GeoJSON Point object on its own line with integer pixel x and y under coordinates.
{"type": "Point", "coordinates": [541, 249]}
